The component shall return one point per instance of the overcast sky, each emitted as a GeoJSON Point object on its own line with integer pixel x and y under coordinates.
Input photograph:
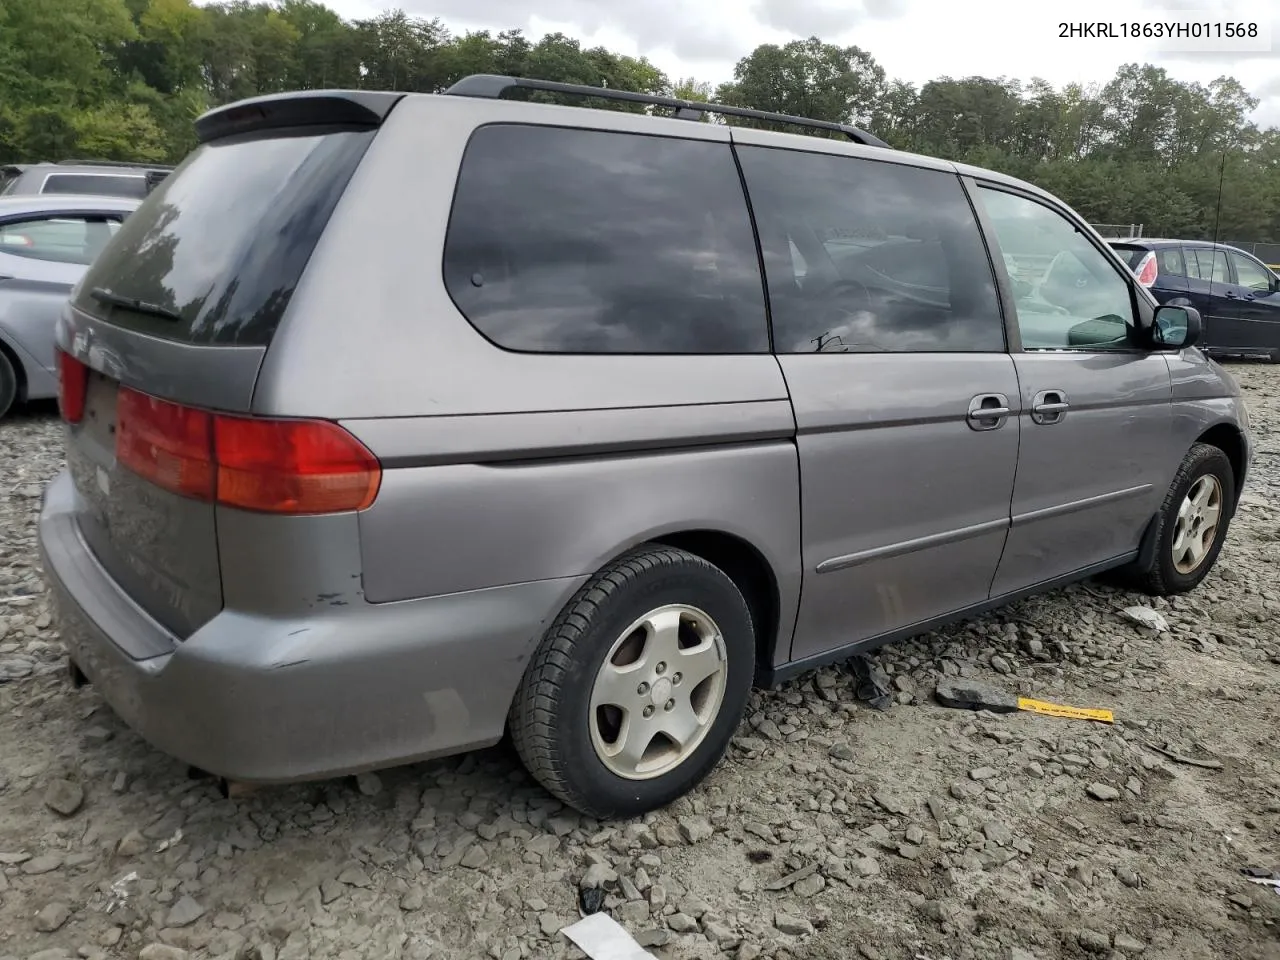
{"type": "Point", "coordinates": [916, 40]}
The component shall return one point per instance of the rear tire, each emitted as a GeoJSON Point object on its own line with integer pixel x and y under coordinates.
{"type": "Point", "coordinates": [659, 640]}
{"type": "Point", "coordinates": [1191, 526]}
{"type": "Point", "coordinates": [8, 385]}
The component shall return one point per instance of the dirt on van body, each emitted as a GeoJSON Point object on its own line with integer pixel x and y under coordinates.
{"type": "Point", "coordinates": [831, 830]}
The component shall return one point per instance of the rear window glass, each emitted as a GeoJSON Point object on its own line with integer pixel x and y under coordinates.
{"type": "Point", "coordinates": [214, 253]}
{"type": "Point", "coordinates": [1130, 255]}
{"type": "Point", "coordinates": [579, 241]}
{"type": "Point", "coordinates": [97, 185]}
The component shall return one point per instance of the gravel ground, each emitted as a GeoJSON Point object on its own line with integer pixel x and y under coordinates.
{"type": "Point", "coordinates": [831, 831]}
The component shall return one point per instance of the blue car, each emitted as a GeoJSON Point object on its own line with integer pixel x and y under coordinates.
{"type": "Point", "coordinates": [1238, 296]}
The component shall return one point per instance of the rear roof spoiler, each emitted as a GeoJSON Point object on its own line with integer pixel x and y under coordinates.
{"type": "Point", "coordinates": [361, 108]}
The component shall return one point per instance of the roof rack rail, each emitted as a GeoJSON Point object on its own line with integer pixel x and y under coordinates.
{"type": "Point", "coordinates": [114, 163]}
{"type": "Point", "coordinates": [491, 87]}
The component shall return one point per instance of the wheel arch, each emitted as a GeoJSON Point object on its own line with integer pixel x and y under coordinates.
{"type": "Point", "coordinates": [1228, 438]}
{"type": "Point", "coordinates": [749, 569]}
{"type": "Point", "coordinates": [10, 353]}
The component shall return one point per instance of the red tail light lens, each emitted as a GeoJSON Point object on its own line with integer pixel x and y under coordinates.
{"type": "Point", "coordinates": [168, 444]}
{"type": "Point", "coordinates": [293, 466]}
{"type": "Point", "coordinates": [73, 384]}
{"type": "Point", "coordinates": [271, 466]}
{"type": "Point", "coordinates": [1148, 270]}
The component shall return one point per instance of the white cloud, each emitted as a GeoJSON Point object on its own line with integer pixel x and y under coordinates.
{"type": "Point", "coordinates": [916, 40]}
{"type": "Point", "coordinates": [826, 18]}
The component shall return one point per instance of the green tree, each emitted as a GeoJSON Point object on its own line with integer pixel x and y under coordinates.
{"type": "Point", "coordinates": [808, 78]}
{"type": "Point", "coordinates": [326, 54]}
{"type": "Point", "coordinates": [248, 49]}
{"type": "Point", "coordinates": [399, 52]}
{"type": "Point", "coordinates": [688, 88]}
{"type": "Point", "coordinates": [119, 131]}
{"type": "Point", "coordinates": [166, 53]}
{"type": "Point", "coordinates": [124, 79]}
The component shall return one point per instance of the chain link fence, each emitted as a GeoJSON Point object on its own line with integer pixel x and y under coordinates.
{"type": "Point", "coordinates": [1268, 253]}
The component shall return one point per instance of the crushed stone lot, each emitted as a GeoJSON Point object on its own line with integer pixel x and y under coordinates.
{"type": "Point", "coordinates": [831, 830]}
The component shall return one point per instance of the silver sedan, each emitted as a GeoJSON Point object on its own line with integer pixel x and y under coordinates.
{"type": "Point", "coordinates": [46, 243]}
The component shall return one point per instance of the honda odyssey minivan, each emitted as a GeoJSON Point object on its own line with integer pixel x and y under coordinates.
{"type": "Point", "coordinates": [399, 423]}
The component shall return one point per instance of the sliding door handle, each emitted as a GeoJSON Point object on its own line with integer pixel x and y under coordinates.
{"type": "Point", "coordinates": [1049, 407]}
{"type": "Point", "coordinates": [988, 411]}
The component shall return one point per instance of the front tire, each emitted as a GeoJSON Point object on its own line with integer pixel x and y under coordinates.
{"type": "Point", "coordinates": [635, 690]}
{"type": "Point", "coordinates": [1192, 523]}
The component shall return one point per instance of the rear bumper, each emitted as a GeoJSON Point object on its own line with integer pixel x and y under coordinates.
{"type": "Point", "coordinates": [270, 699]}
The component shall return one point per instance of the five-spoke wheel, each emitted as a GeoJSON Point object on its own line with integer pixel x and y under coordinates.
{"type": "Point", "coordinates": [1196, 528]}
{"type": "Point", "coordinates": [658, 691]}
{"type": "Point", "coordinates": [1190, 527]}
{"type": "Point", "coordinates": [636, 688]}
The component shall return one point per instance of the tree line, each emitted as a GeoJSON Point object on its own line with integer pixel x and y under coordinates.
{"type": "Point", "coordinates": [123, 80]}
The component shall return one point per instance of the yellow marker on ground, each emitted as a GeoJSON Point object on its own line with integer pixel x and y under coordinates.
{"type": "Point", "coordinates": [1058, 710]}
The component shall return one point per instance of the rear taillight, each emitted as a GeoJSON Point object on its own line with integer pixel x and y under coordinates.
{"type": "Point", "coordinates": [1148, 270]}
{"type": "Point", "coordinates": [168, 444]}
{"type": "Point", "coordinates": [292, 466]}
{"type": "Point", "coordinates": [73, 384]}
{"type": "Point", "coordinates": [271, 466]}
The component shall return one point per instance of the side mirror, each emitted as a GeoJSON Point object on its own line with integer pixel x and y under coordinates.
{"type": "Point", "coordinates": [1175, 327]}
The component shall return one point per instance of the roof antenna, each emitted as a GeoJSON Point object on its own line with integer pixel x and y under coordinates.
{"type": "Point", "coordinates": [1217, 215]}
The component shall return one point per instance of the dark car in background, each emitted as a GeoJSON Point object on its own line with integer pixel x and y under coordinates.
{"type": "Point", "coordinates": [98, 178]}
{"type": "Point", "coordinates": [1238, 296]}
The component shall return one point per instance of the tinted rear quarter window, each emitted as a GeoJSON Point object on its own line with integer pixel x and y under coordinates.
{"type": "Point", "coordinates": [220, 244]}
{"type": "Point", "coordinates": [1170, 260]}
{"type": "Point", "coordinates": [98, 185]}
{"type": "Point", "coordinates": [893, 258]}
{"type": "Point", "coordinates": [583, 241]}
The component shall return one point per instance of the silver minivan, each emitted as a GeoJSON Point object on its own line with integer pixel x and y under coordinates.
{"type": "Point", "coordinates": [397, 423]}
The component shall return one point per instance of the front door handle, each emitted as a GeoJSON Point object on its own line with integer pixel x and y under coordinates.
{"type": "Point", "coordinates": [1049, 407]}
{"type": "Point", "coordinates": [988, 411]}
